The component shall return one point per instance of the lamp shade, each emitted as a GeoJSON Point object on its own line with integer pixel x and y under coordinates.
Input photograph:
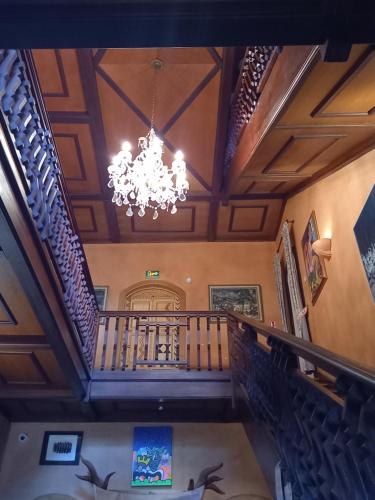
{"type": "Point", "coordinates": [322, 247]}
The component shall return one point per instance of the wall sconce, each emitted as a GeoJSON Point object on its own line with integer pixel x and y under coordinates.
{"type": "Point", "coordinates": [322, 247]}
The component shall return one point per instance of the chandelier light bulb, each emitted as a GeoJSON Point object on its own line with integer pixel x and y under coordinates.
{"type": "Point", "coordinates": [144, 181]}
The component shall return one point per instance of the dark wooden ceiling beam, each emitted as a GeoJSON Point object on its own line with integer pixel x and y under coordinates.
{"type": "Point", "coordinates": [90, 90]}
{"type": "Point", "coordinates": [172, 23]}
{"type": "Point", "coordinates": [226, 86]}
{"type": "Point", "coordinates": [192, 197]}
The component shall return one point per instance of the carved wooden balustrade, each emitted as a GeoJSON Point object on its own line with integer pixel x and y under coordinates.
{"type": "Point", "coordinates": [128, 341]}
{"type": "Point", "coordinates": [256, 66]}
{"type": "Point", "coordinates": [326, 439]}
{"type": "Point", "coordinates": [40, 185]}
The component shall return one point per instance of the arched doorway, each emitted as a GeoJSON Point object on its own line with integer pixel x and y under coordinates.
{"type": "Point", "coordinates": [153, 296]}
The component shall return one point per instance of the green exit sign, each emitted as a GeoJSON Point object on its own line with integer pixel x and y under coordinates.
{"type": "Point", "coordinates": [152, 275]}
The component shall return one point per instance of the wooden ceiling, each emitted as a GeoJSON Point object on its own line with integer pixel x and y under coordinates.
{"type": "Point", "coordinates": [26, 358]}
{"type": "Point", "coordinates": [312, 117]}
{"type": "Point", "coordinates": [328, 121]}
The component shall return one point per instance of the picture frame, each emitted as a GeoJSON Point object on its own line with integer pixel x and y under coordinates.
{"type": "Point", "coordinates": [314, 266]}
{"type": "Point", "coordinates": [101, 294]}
{"type": "Point", "coordinates": [152, 456]}
{"type": "Point", "coordinates": [61, 448]}
{"type": "Point", "coordinates": [244, 299]}
{"type": "Point", "coordinates": [364, 231]}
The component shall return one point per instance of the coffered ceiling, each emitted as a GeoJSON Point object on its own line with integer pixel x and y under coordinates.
{"type": "Point", "coordinates": [98, 98]}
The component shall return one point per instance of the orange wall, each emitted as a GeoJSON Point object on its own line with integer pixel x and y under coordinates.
{"type": "Point", "coordinates": [343, 317]}
{"type": "Point", "coordinates": [121, 265]}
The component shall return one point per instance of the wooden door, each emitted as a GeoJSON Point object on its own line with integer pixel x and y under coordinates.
{"type": "Point", "coordinates": [153, 342]}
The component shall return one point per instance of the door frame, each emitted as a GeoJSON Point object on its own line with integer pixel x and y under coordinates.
{"type": "Point", "coordinates": [145, 285]}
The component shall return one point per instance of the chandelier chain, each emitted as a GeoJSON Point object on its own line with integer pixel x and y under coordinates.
{"type": "Point", "coordinates": [144, 182]}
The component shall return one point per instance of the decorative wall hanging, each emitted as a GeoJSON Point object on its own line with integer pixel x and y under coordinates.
{"type": "Point", "coordinates": [298, 310]}
{"type": "Point", "coordinates": [152, 456]}
{"type": "Point", "coordinates": [314, 265]}
{"type": "Point", "coordinates": [61, 448]}
{"type": "Point", "coordinates": [280, 291]}
{"type": "Point", "coordinates": [364, 231]}
{"type": "Point", "coordinates": [195, 490]}
{"type": "Point", "coordinates": [244, 299]}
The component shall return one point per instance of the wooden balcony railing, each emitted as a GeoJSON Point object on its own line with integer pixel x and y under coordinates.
{"type": "Point", "coordinates": [41, 191]}
{"type": "Point", "coordinates": [256, 66]}
{"type": "Point", "coordinates": [128, 341]}
{"type": "Point", "coordinates": [325, 435]}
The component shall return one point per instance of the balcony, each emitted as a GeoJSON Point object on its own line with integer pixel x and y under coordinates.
{"type": "Point", "coordinates": [162, 355]}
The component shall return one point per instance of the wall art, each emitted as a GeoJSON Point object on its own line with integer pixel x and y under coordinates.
{"type": "Point", "coordinates": [364, 231]}
{"type": "Point", "coordinates": [244, 299]}
{"type": "Point", "coordinates": [152, 456]}
{"type": "Point", "coordinates": [61, 448]}
{"type": "Point", "coordinates": [314, 266]}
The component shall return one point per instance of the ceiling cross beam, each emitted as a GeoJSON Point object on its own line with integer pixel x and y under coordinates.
{"type": "Point", "coordinates": [90, 90]}
{"type": "Point", "coordinates": [226, 86]}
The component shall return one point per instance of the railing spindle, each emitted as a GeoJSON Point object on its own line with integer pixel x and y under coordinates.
{"type": "Point", "coordinates": [220, 354]}
{"type": "Point", "coordinates": [198, 343]}
{"type": "Point", "coordinates": [209, 342]}
{"type": "Point", "coordinates": [188, 337]}
{"type": "Point", "coordinates": [125, 345]}
{"type": "Point", "coordinates": [168, 353]}
{"type": "Point", "coordinates": [110, 344]}
{"type": "Point", "coordinates": [99, 359]}
{"type": "Point", "coordinates": [135, 344]}
{"type": "Point", "coordinates": [157, 335]}
{"type": "Point", "coordinates": [116, 345]}
{"type": "Point", "coordinates": [146, 343]}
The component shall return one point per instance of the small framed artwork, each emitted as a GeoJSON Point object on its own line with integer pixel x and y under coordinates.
{"type": "Point", "coordinates": [364, 231]}
{"type": "Point", "coordinates": [61, 448]}
{"type": "Point", "coordinates": [101, 293]}
{"type": "Point", "coordinates": [244, 299]}
{"type": "Point", "coordinates": [152, 456]}
{"type": "Point", "coordinates": [314, 266]}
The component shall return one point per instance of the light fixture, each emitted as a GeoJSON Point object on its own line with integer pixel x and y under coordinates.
{"type": "Point", "coordinates": [145, 182]}
{"type": "Point", "coordinates": [322, 247]}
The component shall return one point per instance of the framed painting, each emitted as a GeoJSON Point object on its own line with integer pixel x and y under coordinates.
{"type": "Point", "coordinates": [101, 293]}
{"type": "Point", "coordinates": [364, 231]}
{"type": "Point", "coordinates": [314, 265]}
{"type": "Point", "coordinates": [61, 448]}
{"type": "Point", "coordinates": [244, 299]}
{"type": "Point", "coordinates": [152, 456]}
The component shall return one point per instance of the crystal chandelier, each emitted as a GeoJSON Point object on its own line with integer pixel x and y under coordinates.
{"type": "Point", "coordinates": [145, 182]}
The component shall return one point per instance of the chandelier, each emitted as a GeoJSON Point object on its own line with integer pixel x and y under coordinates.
{"type": "Point", "coordinates": [144, 181]}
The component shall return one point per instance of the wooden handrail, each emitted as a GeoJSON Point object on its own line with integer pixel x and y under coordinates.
{"type": "Point", "coordinates": [162, 314]}
{"type": "Point", "coordinates": [329, 361]}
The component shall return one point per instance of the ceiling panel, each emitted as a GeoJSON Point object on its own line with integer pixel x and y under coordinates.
{"type": "Point", "coordinates": [76, 151]}
{"type": "Point", "coordinates": [189, 223]}
{"type": "Point", "coordinates": [249, 220]}
{"type": "Point", "coordinates": [59, 77]}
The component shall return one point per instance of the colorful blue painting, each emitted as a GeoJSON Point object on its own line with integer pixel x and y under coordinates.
{"type": "Point", "coordinates": [152, 456]}
{"type": "Point", "coordinates": [364, 231]}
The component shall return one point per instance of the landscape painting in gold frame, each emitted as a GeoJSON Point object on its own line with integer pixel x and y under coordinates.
{"type": "Point", "coordinates": [315, 270]}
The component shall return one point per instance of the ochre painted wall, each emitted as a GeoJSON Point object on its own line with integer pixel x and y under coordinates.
{"type": "Point", "coordinates": [343, 317]}
{"type": "Point", "coordinates": [121, 265]}
{"type": "Point", "coordinates": [109, 447]}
